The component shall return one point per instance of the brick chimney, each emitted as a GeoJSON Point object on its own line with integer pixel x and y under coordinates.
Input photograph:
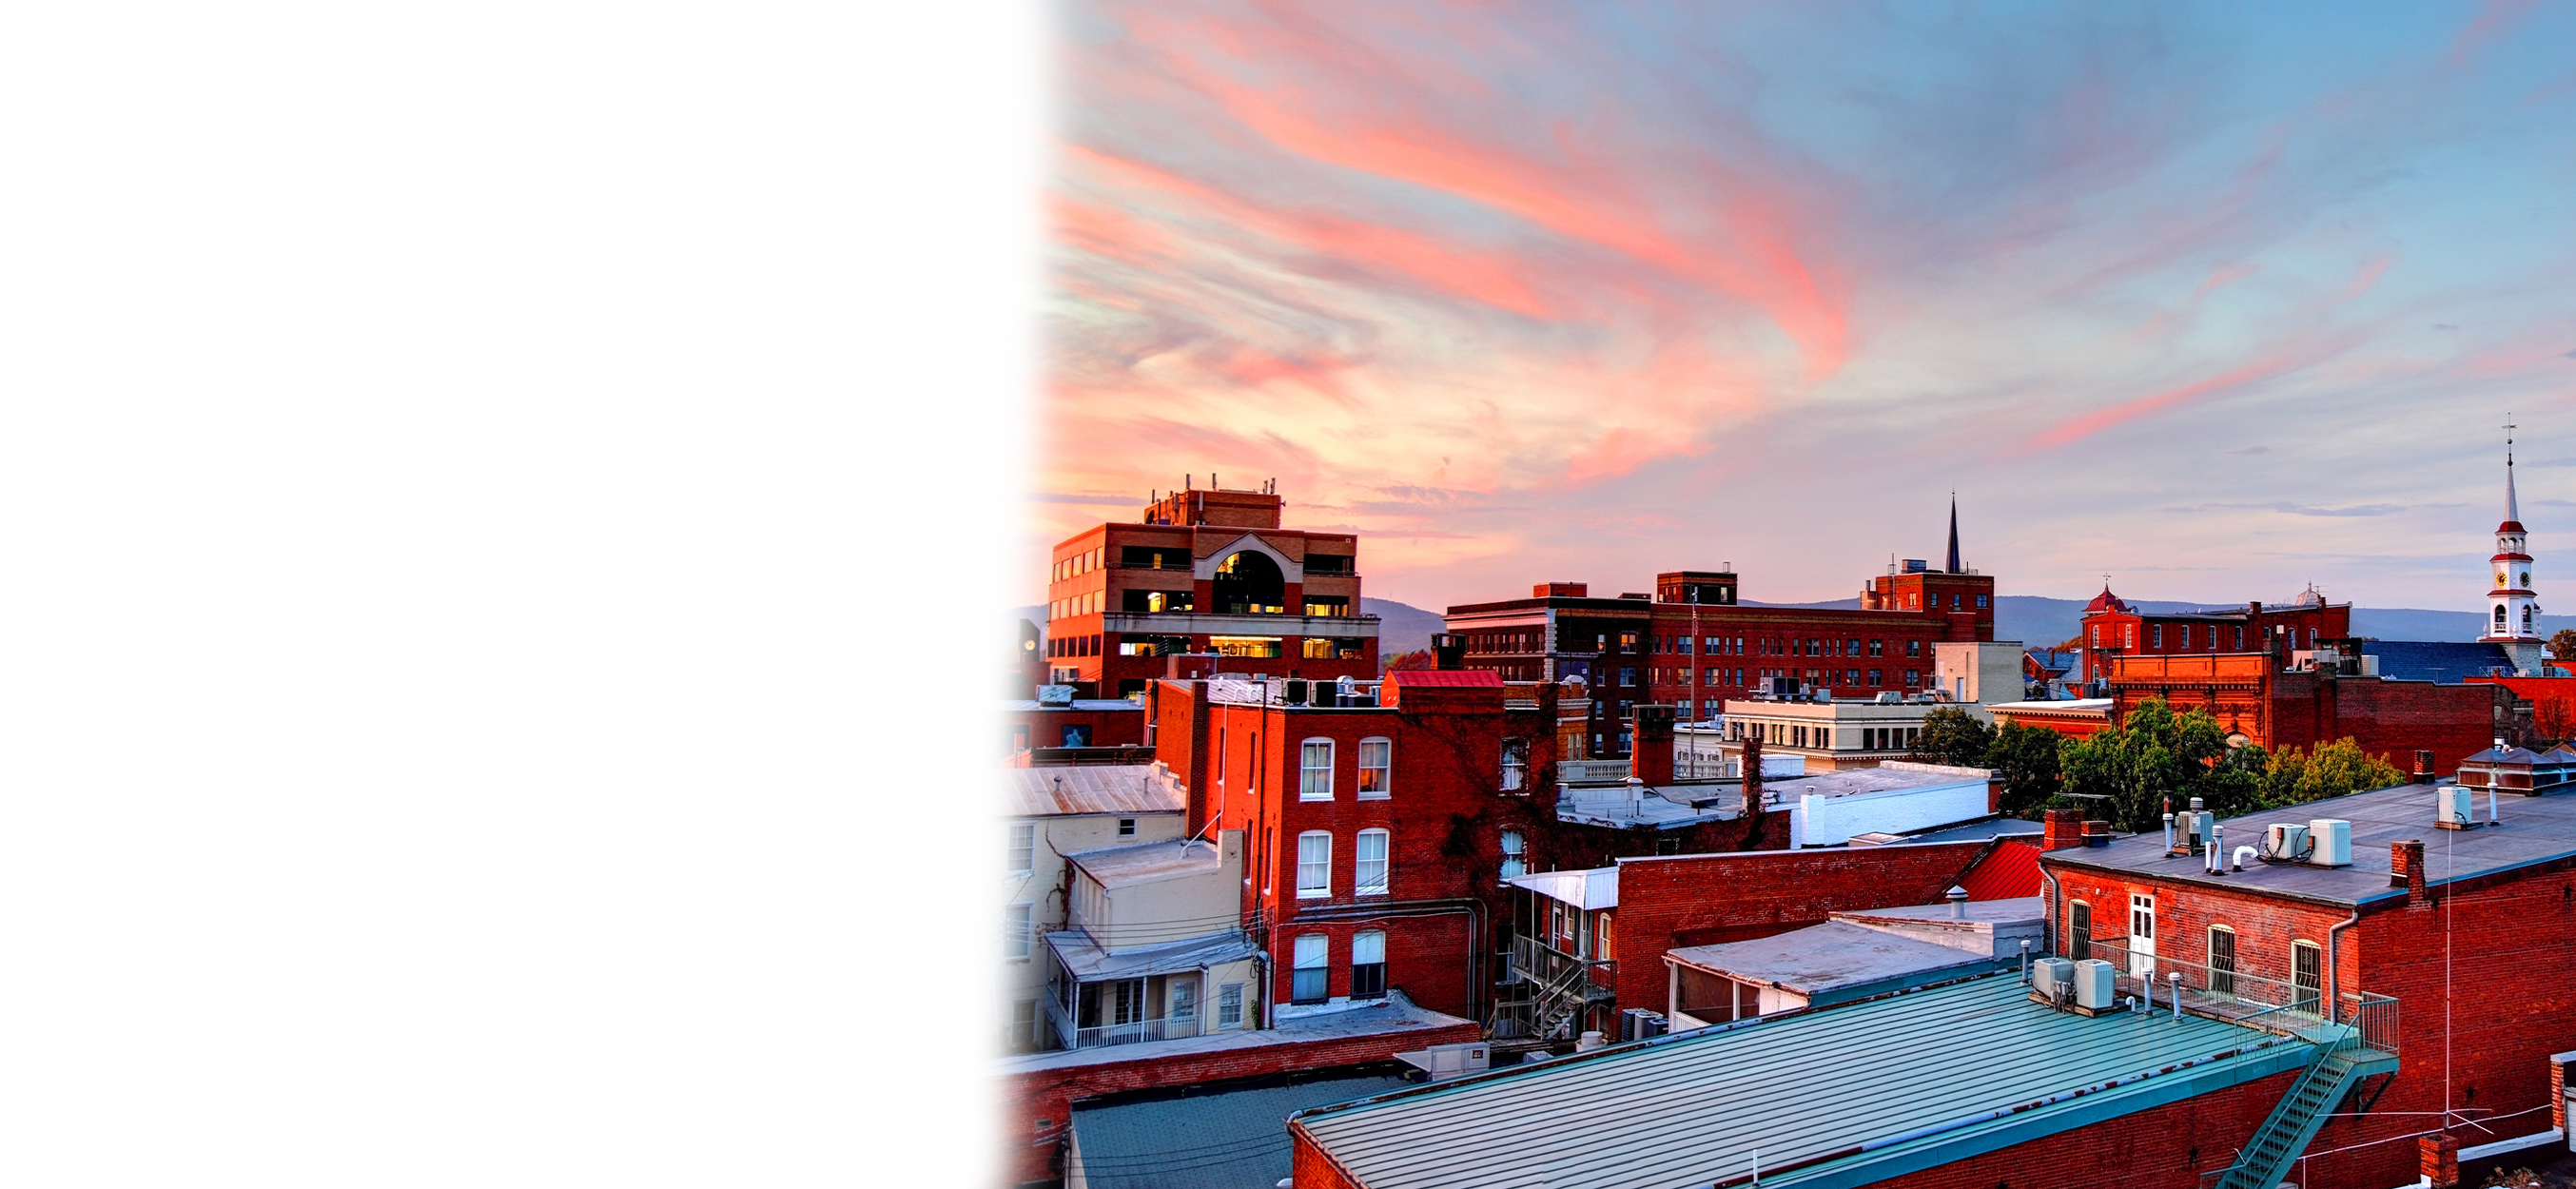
{"type": "Point", "coordinates": [1753, 774]}
{"type": "Point", "coordinates": [2406, 870]}
{"type": "Point", "coordinates": [1448, 651]}
{"type": "Point", "coordinates": [2424, 767]}
{"type": "Point", "coordinates": [1650, 754]}
{"type": "Point", "coordinates": [2438, 1159]}
{"type": "Point", "coordinates": [2061, 828]}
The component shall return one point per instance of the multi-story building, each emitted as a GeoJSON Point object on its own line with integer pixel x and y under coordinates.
{"type": "Point", "coordinates": [2114, 629]}
{"type": "Point", "coordinates": [1207, 574]}
{"type": "Point", "coordinates": [1052, 813]}
{"type": "Point", "coordinates": [2313, 698]}
{"type": "Point", "coordinates": [1692, 644]}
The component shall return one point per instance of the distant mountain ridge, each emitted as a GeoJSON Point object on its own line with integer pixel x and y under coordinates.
{"type": "Point", "coordinates": [2035, 620]}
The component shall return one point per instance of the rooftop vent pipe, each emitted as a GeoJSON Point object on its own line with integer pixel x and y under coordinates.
{"type": "Point", "coordinates": [1958, 902]}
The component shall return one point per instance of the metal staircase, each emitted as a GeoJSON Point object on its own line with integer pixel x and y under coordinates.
{"type": "Point", "coordinates": [2295, 1119]}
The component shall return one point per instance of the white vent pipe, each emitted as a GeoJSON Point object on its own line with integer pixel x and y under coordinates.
{"type": "Point", "coordinates": [2243, 853]}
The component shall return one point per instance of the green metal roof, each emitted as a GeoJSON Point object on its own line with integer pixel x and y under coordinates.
{"type": "Point", "coordinates": [1827, 1097]}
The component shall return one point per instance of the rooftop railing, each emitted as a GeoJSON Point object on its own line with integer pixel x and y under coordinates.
{"type": "Point", "coordinates": [2290, 1007]}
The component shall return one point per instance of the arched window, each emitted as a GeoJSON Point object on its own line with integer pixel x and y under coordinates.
{"type": "Point", "coordinates": [1248, 582]}
{"type": "Point", "coordinates": [1315, 770]}
{"type": "Point", "coordinates": [1377, 763]}
{"type": "Point", "coordinates": [1314, 865]}
{"type": "Point", "coordinates": [1368, 965]}
{"type": "Point", "coordinates": [1369, 879]}
{"type": "Point", "coordinates": [2079, 931]}
{"type": "Point", "coordinates": [2499, 617]}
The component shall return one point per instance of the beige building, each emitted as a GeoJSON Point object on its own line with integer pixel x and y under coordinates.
{"type": "Point", "coordinates": [1153, 949]}
{"type": "Point", "coordinates": [1052, 813]}
{"type": "Point", "coordinates": [1837, 735]}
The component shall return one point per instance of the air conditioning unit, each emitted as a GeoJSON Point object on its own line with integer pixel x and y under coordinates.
{"type": "Point", "coordinates": [2452, 808]}
{"type": "Point", "coordinates": [2332, 838]}
{"type": "Point", "coordinates": [2285, 841]}
{"type": "Point", "coordinates": [2093, 984]}
{"type": "Point", "coordinates": [2048, 974]}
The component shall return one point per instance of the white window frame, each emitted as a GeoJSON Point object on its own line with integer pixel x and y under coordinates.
{"type": "Point", "coordinates": [1515, 854]}
{"type": "Point", "coordinates": [1229, 1005]}
{"type": "Point", "coordinates": [1023, 851]}
{"type": "Point", "coordinates": [1361, 883]}
{"type": "Point", "coordinates": [1385, 768]}
{"type": "Point", "coordinates": [1019, 929]}
{"type": "Point", "coordinates": [1315, 865]}
{"type": "Point", "coordinates": [1314, 782]}
{"type": "Point", "coordinates": [1360, 943]}
{"type": "Point", "coordinates": [1515, 764]}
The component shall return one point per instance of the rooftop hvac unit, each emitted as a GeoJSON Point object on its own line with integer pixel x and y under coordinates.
{"type": "Point", "coordinates": [2196, 829]}
{"type": "Point", "coordinates": [1889, 697]}
{"type": "Point", "coordinates": [2332, 838]}
{"type": "Point", "coordinates": [2452, 808]}
{"type": "Point", "coordinates": [2093, 984]}
{"type": "Point", "coordinates": [1295, 692]}
{"type": "Point", "coordinates": [2048, 974]}
{"type": "Point", "coordinates": [2285, 842]}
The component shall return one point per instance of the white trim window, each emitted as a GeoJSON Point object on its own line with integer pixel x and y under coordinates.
{"type": "Point", "coordinates": [1229, 1006]}
{"type": "Point", "coordinates": [1370, 879]}
{"type": "Point", "coordinates": [1515, 764]}
{"type": "Point", "coordinates": [1377, 765]}
{"type": "Point", "coordinates": [1512, 846]}
{"type": "Point", "coordinates": [1023, 850]}
{"type": "Point", "coordinates": [1018, 923]}
{"type": "Point", "coordinates": [1313, 969]}
{"type": "Point", "coordinates": [1315, 865]}
{"type": "Point", "coordinates": [1368, 965]}
{"type": "Point", "coordinates": [1315, 770]}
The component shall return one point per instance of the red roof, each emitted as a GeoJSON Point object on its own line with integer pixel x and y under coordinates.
{"type": "Point", "coordinates": [2010, 872]}
{"type": "Point", "coordinates": [1476, 678]}
{"type": "Point", "coordinates": [2105, 601]}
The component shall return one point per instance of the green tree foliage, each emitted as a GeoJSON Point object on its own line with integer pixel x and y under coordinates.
{"type": "Point", "coordinates": [2292, 777]}
{"type": "Point", "coordinates": [2562, 645]}
{"type": "Point", "coordinates": [2134, 766]}
{"type": "Point", "coordinates": [2027, 758]}
{"type": "Point", "coordinates": [1952, 736]}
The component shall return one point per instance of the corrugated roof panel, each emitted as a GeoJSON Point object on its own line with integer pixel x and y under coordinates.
{"type": "Point", "coordinates": [1090, 788]}
{"type": "Point", "coordinates": [2010, 872]}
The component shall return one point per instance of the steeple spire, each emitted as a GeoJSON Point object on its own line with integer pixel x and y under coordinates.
{"type": "Point", "coordinates": [2512, 506]}
{"type": "Point", "coordinates": [1954, 527]}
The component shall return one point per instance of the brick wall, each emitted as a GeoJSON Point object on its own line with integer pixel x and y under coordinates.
{"type": "Point", "coordinates": [1703, 899]}
{"type": "Point", "coordinates": [1031, 1153]}
{"type": "Point", "coordinates": [2166, 1147]}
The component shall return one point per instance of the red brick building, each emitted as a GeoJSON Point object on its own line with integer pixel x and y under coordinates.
{"type": "Point", "coordinates": [2114, 629]}
{"type": "Point", "coordinates": [2256, 696]}
{"type": "Point", "coordinates": [1206, 573]}
{"type": "Point", "coordinates": [1692, 645]}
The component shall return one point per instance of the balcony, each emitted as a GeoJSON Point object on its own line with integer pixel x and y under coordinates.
{"type": "Point", "coordinates": [1196, 623]}
{"type": "Point", "coordinates": [2289, 1008]}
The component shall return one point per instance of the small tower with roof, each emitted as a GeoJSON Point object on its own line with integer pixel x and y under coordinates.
{"type": "Point", "coordinates": [2513, 607]}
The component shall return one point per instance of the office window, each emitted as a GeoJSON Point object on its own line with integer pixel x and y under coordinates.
{"type": "Point", "coordinates": [1314, 865]}
{"type": "Point", "coordinates": [1851, 677]}
{"type": "Point", "coordinates": [1981, 601]}
{"type": "Point", "coordinates": [2155, 635]}
{"type": "Point", "coordinates": [1878, 677]}
{"type": "Point", "coordinates": [1023, 850]}
{"type": "Point", "coordinates": [1313, 970]}
{"type": "Point", "coordinates": [1914, 648]}
{"type": "Point", "coordinates": [1913, 677]}
{"type": "Point", "coordinates": [1376, 763]}
{"type": "Point", "coordinates": [1515, 764]}
{"type": "Point", "coordinates": [2240, 637]}
{"type": "Point", "coordinates": [1126, 827]}
{"type": "Point", "coordinates": [1229, 1006]}
{"type": "Point", "coordinates": [1512, 865]}
{"type": "Point", "coordinates": [1017, 923]}
{"type": "Point", "coordinates": [1685, 643]}
{"type": "Point", "coordinates": [1315, 770]}
{"type": "Point", "coordinates": [1851, 648]}
{"type": "Point", "coordinates": [1368, 965]}
{"type": "Point", "coordinates": [1627, 676]}
{"type": "Point", "coordinates": [1878, 648]}
{"type": "Point", "coordinates": [1370, 877]}
{"type": "Point", "coordinates": [2222, 960]}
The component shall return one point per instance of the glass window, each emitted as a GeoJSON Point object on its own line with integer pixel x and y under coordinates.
{"type": "Point", "coordinates": [1368, 965]}
{"type": "Point", "coordinates": [2222, 960]}
{"type": "Point", "coordinates": [1016, 924]}
{"type": "Point", "coordinates": [1512, 866]}
{"type": "Point", "coordinates": [1314, 865]}
{"type": "Point", "coordinates": [1315, 771]}
{"type": "Point", "coordinates": [2079, 931]}
{"type": "Point", "coordinates": [1229, 1006]}
{"type": "Point", "coordinates": [1375, 764]}
{"type": "Point", "coordinates": [1981, 600]}
{"type": "Point", "coordinates": [1185, 1000]}
{"type": "Point", "coordinates": [1126, 827]}
{"type": "Point", "coordinates": [1309, 985]}
{"type": "Point", "coordinates": [1023, 851]}
{"type": "Point", "coordinates": [1370, 878]}
{"type": "Point", "coordinates": [1914, 648]}
{"type": "Point", "coordinates": [2307, 976]}
{"type": "Point", "coordinates": [2155, 635]}
{"type": "Point", "coordinates": [1515, 764]}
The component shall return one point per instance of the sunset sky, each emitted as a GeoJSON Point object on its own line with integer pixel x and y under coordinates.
{"type": "Point", "coordinates": [2218, 299]}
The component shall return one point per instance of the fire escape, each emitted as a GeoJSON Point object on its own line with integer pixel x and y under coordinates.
{"type": "Point", "coordinates": [1548, 991]}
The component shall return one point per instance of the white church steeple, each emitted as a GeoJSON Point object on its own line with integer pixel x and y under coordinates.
{"type": "Point", "coordinates": [2513, 608]}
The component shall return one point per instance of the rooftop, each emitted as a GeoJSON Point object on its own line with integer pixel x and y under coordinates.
{"type": "Point", "coordinates": [1222, 1138]}
{"type": "Point", "coordinates": [1095, 788]}
{"type": "Point", "coordinates": [1595, 888]}
{"type": "Point", "coordinates": [2535, 830]}
{"type": "Point", "coordinates": [1148, 862]}
{"type": "Point", "coordinates": [1396, 1014]}
{"type": "Point", "coordinates": [1831, 961]}
{"type": "Point", "coordinates": [2089, 706]}
{"type": "Point", "coordinates": [2441, 661]}
{"type": "Point", "coordinates": [1089, 962]}
{"type": "Point", "coordinates": [1032, 705]}
{"type": "Point", "coordinates": [1975, 1061]}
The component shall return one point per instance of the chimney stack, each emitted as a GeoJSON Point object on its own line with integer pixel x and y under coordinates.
{"type": "Point", "coordinates": [2438, 1159]}
{"type": "Point", "coordinates": [2062, 828]}
{"type": "Point", "coordinates": [1448, 651]}
{"type": "Point", "coordinates": [1650, 754]}
{"type": "Point", "coordinates": [2406, 869]}
{"type": "Point", "coordinates": [2424, 766]}
{"type": "Point", "coordinates": [1753, 774]}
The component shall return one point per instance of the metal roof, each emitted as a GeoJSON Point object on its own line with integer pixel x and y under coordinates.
{"type": "Point", "coordinates": [1819, 960]}
{"type": "Point", "coordinates": [1975, 1058]}
{"type": "Point", "coordinates": [2010, 872]}
{"type": "Point", "coordinates": [1474, 678]}
{"type": "Point", "coordinates": [1591, 889]}
{"type": "Point", "coordinates": [2535, 830]}
{"type": "Point", "coordinates": [1032, 705]}
{"type": "Point", "coordinates": [1147, 862]}
{"type": "Point", "coordinates": [1090, 788]}
{"type": "Point", "coordinates": [1089, 962]}
{"type": "Point", "coordinates": [2443, 661]}
{"type": "Point", "coordinates": [1229, 1139]}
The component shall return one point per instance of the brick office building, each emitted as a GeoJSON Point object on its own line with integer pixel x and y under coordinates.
{"type": "Point", "coordinates": [1692, 645]}
{"type": "Point", "coordinates": [2114, 629]}
{"type": "Point", "coordinates": [2276, 704]}
{"type": "Point", "coordinates": [1375, 827]}
{"type": "Point", "coordinates": [1206, 573]}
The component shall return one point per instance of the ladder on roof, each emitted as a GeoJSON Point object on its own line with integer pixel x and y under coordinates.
{"type": "Point", "coordinates": [2300, 1113]}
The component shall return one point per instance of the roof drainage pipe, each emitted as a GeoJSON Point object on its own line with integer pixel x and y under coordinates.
{"type": "Point", "coordinates": [2334, 966]}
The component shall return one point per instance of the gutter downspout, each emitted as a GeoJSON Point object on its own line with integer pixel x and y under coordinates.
{"type": "Point", "coordinates": [2334, 965]}
{"type": "Point", "coordinates": [2056, 897]}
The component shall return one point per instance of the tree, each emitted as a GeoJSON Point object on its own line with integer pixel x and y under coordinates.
{"type": "Point", "coordinates": [2127, 771]}
{"type": "Point", "coordinates": [2550, 718]}
{"type": "Point", "coordinates": [2333, 769]}
{"type": "Point", "coordinates": [2027, 759]}
{"type": "Point", "coordinates": [1417, 659]}
{"type": "Point", "coordinates": [1952, 736]}
{"type": "Point", "coordinates": [2562, 645]}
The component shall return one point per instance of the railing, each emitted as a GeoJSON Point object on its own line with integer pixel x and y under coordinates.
{"type": "Point", "coordinates": [1561, 973]}
{"type": "Point", "coordinates": [1121, 1034]}
{"type": "Point", "coordinates": [2275, 1005]}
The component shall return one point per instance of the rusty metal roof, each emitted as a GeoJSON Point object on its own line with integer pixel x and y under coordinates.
{"type": "Point", "coordinates": [1090, 788]}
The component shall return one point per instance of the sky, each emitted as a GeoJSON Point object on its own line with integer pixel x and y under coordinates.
{"type": "Point", "coordinates": [2219, 300]}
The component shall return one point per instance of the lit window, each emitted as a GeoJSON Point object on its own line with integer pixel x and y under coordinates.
{"type": "Point", "coordinates": [1017, 922]}
{"type": "Point", "coordinates": [1314, 865]}
{"type": "Point", "coordinates": [1315, 771]}
{"type": "Point", "coordinates": [1370, 879]}
{"type": "Point", "coordinates": [1368, 965]}
{"type": "Point", "coordinates": [1023, 848]}
{"type": "Point", "coordinates": [1313, 958]}
{"type": "Point", "coordinates": [1512, 866]}
{"type": "Point", "coordinates": [1376, 757]}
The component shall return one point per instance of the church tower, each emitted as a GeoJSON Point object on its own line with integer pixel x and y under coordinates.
{"type": "Point", "coordinates": [2513, 610]}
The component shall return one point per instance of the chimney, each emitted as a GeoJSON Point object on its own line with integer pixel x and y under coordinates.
{"type": "Point", "coordinates": [1650, 758]}
{"type": "Point", "coordinates": [2438, 1159]}
{"type": "Point", "coordinates": [2406, 870]}
{"type": "Point", "coordinates": [2424, 767]}
{"type": "Point", "coordinates": [2062, 828]}
{"type": "Point", "coordinates": [1753, 774]}
{"type": "Point", "coordinates": [1448, 651]}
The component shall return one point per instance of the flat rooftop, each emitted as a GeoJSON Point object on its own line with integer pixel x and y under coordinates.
{"type": "Point", "coordinates": [1975, 1058]}
{"type": "Point", "coordinates": [2535, 830]}
{"type": "Point", "coordinates": [1396, 1015]}
{"type": "Point", "coordinates": [1147, 862]}
{"type": "Point", "coordinates": [1820, 960]}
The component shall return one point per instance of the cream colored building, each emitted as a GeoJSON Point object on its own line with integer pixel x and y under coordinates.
{"type": "Point", "coordinates": [1154, 948]}
{"type": "Point", "coordinates": [1052, 813]}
